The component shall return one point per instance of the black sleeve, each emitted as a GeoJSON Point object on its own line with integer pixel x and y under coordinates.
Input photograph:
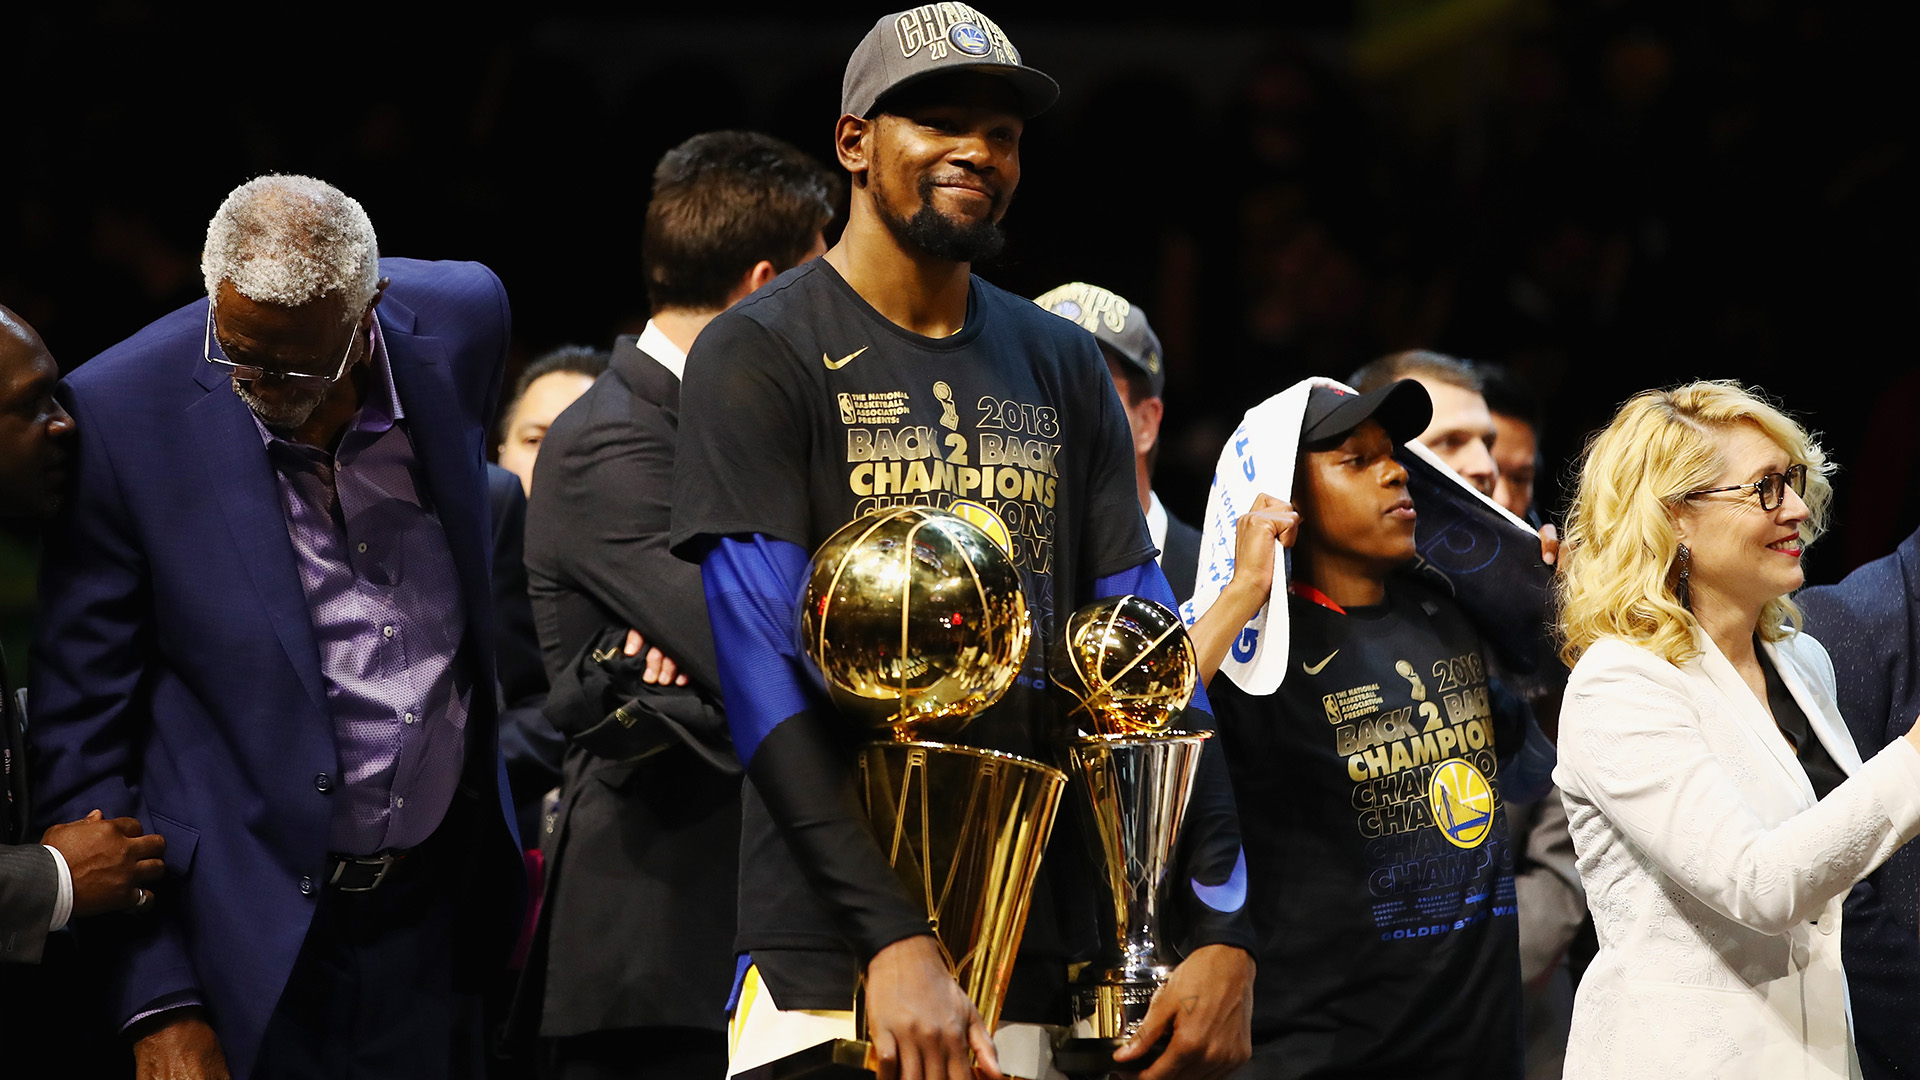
{"type": "Point", "coordinates": [1210, 897]}
{"type": "Point", "coordinates": [603, 494]}
{"type": "Point", "coordinates": [746, 421]}
{"type": "Point", "coordinates": [805, 776]}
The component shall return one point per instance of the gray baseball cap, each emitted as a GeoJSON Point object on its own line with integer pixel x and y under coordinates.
{"type": "Point", "coordinates": [937, 39]}
{"type": "Point", "coordinates": [1118, 323]}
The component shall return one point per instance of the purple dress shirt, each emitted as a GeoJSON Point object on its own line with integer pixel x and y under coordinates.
{"type": "Point", "coordinates": [387, 616]}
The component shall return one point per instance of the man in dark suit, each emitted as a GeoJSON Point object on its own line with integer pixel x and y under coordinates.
{"type": "Point", "coordinates": [268, 630]}
{"type": "Point", "coordinates": [1139, 370]}
{"type": "Point", "coordinates": [1870, 624]}
{"type": "Point", "coordinates": [639, 917]}
{"type": "Point", "coordinates": [82, 867]}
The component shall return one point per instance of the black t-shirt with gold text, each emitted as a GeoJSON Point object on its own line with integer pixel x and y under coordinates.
{"type": "Point", "coordinates": [1378, 854]}
{"type": "Point", "coordinates": [804, 408]}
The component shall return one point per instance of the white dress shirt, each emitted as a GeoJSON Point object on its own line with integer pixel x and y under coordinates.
{"type": "Point", "coordinates": [655, 343]}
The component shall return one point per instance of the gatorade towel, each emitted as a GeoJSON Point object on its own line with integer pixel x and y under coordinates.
{"type": "Point", "coordinates": [1491, 557]}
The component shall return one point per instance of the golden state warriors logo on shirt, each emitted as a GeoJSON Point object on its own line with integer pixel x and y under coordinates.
{"type": "Point", "coordinates": [1462, 803]}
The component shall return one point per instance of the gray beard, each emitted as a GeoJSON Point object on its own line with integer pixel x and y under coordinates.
{"type": "Point", "coordinates": [286, 417]}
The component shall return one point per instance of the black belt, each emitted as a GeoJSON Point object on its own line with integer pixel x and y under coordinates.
{"type": "Point", "coordinates": [361, 873]}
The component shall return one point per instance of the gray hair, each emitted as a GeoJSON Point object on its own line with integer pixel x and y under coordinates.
{"type": "Point", "coordinates": [291, 239]}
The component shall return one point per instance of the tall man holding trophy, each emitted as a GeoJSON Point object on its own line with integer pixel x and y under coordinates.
{"type": "Point", "coordinates": [885, 376]}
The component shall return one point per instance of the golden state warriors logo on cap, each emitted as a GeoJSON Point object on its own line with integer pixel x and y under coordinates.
{"type": "Point", "coordinates": [969, 39]}
{"type": "Point", "coordinates": [989, 522]}
{"type": "Point", "coordinates": [1462, 803]}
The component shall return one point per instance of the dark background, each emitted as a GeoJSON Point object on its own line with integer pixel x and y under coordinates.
{"type": "Point", "coordinates": [1606, 195]}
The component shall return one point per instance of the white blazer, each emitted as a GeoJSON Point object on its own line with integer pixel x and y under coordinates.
{"type": "Point", "coordinates": [1714, 877]}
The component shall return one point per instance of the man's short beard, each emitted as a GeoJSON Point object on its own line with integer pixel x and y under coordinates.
{"type": "Point", "coordinates": [932, 232]}
{"type": "Point", "coordinates": [285, 417]}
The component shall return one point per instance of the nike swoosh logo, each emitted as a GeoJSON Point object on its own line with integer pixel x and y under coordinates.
{"type": "Point", "coordinates": [836, 365]}
{"type": "Point", "coordinates": [1315, 669]}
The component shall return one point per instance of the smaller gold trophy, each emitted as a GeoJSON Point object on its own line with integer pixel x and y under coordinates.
{"type": "Point", "coordinates": [1128, 666]}
{"type": "Point", "coordinates": [916, 622]}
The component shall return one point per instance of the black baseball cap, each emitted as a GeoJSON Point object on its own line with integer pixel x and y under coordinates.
{"type": "Point", "coordinates": [1402, 407]}
{"type": "Point", "coordinates": [938, 39]}
{"type": "Point", "coordinates": [1117, 322]}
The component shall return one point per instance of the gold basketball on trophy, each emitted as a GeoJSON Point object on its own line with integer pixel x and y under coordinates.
{"type": "Point", "coordinates": [915, 620]}
{"type": "Point", "coordinates": [1127, 664]}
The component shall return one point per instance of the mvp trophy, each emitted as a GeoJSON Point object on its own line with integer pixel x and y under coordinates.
{"type": "Point", "coordinates": [916, 622]}
{"type": "Point", "coordinates": [1128, 666]}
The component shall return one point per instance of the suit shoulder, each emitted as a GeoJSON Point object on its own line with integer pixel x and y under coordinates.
{"type": "Point", "coordinates": [437, 275]}
{"type": "Point", "coordinates": [143, 360]}
{"type": "Point", "coordinates": [1614, 658]}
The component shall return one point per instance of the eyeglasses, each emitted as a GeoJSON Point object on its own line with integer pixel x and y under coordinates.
{"type": "Point", "coordinates": [252, 372]}
{"type": "Point", "coordinates": [1771, 488]}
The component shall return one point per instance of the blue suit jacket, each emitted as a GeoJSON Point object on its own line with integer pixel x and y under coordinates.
{"type": "Point", "coordinates": [1870, 624]}
{"type": "Point", "coordinates": [175, 674]}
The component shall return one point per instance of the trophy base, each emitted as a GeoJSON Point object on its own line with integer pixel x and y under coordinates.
{"type": "Point", "coordinates": [844, 1059]}
{"type": "Point", "coordinates": [835, 1059]}
{"type": "Point", "coordinates": [1083, 1059]}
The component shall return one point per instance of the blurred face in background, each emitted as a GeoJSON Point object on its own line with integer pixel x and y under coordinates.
{"type": "Point", "coordinates": [1462, 432]}
{"type": "Point", "coordinates": [1514, 452]}
{"type": "Point", "coordinates": [36, 434]}
{"type": "Point", "coordinates": [527, 424]}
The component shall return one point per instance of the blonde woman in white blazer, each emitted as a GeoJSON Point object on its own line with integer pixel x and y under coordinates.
{"type": "Point", "coordinates": [1714, 871]}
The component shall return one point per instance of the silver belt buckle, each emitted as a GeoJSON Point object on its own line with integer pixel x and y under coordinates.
{"type": "Point", "coordinates": [385, 860]}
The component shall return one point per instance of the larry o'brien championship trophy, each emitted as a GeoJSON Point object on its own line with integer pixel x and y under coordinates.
{"type": "Point", "coordinates": [916, 622]}
{"type": "Point", "coordinates": [1128, 666]}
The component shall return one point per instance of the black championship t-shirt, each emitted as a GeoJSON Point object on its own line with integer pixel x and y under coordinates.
{"type": "Point", "coordinates": [804, 408]}
{"type": "Point", "coordinates": [1380, 863]}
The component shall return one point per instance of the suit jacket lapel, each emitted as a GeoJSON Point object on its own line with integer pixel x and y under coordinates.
{"type": "Point", "coordinates": [1753, 717]}
{"type": "Point", "coordinates": [647, 378]}
{"type": "Point", "coordinates": [450, 452]}
{"type": "Point", "coordinates": [249, 493]}
{"type": "Point", "coordinates": [1821, 717]}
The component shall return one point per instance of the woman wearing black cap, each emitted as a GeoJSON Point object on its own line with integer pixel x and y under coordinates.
{"type": "Point", "coordinates": [1378, 858]}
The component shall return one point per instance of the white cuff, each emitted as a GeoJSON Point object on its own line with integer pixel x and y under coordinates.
{"type": "Point", "coordinates": [63, 903]}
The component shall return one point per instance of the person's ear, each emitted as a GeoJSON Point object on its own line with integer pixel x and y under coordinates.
{"type": "Point", "coordinates": [379, 293]}
{"type": "Point", "coordinates": [1146, 424]}
{"type": "Point", "coordinates": [852, 146]}
{"type": "Point", "coordinates": [761, 273]}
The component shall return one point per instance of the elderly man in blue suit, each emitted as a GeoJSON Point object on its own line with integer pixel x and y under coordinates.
{"type": "Point", "coordinates": [267, 630]}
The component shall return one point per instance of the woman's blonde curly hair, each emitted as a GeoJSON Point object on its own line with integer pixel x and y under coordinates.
{"type": "Point", "coordinates": [1617, 566]}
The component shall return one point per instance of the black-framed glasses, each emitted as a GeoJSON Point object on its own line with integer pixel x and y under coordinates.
{"type": "Point", "coordinates": [1771, 488]}
{"type": "Point", "coordinates": [251, 372]}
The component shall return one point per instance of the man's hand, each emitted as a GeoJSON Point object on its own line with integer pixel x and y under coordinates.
{"type": "Point", "coordinates": [661, 670]}
{"type": "Point", "coordinates": [1208, 1002]}
{"type": "Point", "coordinates": [109, 861]}
{"type": "Point", "coordinates": [182, 1047]}
{"type": "Point", "coordinates": [1268, 525]}
{"type": "Point", "coordinates": [920, 1023]}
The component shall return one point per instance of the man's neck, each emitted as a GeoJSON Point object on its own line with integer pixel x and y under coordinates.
{"type": "Point", "coordinates": [1346, 582]}
{"type": "Point", "coordinates": [914, 290]}
{"type": "Point", "coordinates": [682, 325]}
{"type": "Point", "coordinates": [1144, 480]}
{"type": "Point", "coordinates": [328, 422]}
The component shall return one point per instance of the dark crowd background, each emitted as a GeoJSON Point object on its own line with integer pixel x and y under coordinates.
{"type": "Point", "coordinates": [1604, 195]}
